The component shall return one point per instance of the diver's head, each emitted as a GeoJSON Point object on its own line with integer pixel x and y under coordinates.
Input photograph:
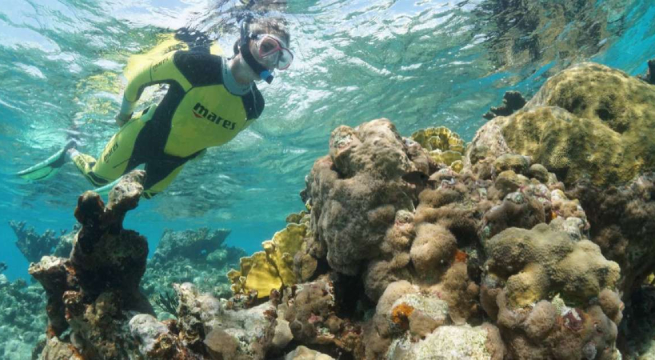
{"type": "Point", "coordinates": [264, 46]}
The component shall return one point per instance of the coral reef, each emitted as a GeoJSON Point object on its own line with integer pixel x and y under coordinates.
{"type": "Point", "coordinates": [586, 125]}
{"type": "Point", "coordinates": [272, 268]}
{"type": "Point", "coordinates": [529, 248]}
{"type": "Point", "coordinates": [512, 101]}
{"type": "Point", "coordinates": [195, 256]}
{"type": "Point", "coordinates": [32, 245]}
{"type": "Point", "coordinates": [21, 318]}
{"type": "Point", "coordinates": [190, 244]}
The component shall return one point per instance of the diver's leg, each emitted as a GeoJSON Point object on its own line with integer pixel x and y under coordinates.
{"type": "Point", "coordinates": [116, 159]}
{"type": "Point", "coordinates": [159, 176]}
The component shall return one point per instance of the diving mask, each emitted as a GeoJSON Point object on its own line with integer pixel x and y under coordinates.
{"type": "Point", "coordinates": [271, 51]}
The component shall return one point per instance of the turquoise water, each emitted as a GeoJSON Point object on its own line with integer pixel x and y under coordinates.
{"type": "Point", "coordinates": [419, 63]}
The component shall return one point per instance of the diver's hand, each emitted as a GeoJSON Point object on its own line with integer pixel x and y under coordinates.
{"type": "Point", "coordinates": [121, 119]}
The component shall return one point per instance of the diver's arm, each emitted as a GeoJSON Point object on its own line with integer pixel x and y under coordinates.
{"type": "Point", "coordinates": [162, 70]}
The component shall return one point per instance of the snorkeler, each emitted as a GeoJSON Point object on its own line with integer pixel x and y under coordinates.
{"type": "Point", "coordinates": [210, 100]}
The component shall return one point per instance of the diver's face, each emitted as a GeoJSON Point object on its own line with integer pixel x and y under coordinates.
{"type": "Point", "coordinates": [271, 52]}
{"type": "Point", "coordinates": [267, 62]}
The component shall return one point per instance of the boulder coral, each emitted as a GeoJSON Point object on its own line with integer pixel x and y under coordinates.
{"type": "Point", "coordinates": [586, 122]}
{"type": "Point", "coordinates": [356, 191]}
{"type": "Point", "coordinates": [534, 263]}
{"type": "Point", "coordinates": [623, 219]}
{"type": "Point", "coordinates": [190, 244]}
{"type": "Point", "coordinates": [551, 294]}
{"type": "Point", "coordinates": [197, 256]}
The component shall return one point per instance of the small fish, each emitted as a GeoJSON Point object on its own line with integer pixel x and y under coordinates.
{"type": "Point", "coordinates": [3, 267]}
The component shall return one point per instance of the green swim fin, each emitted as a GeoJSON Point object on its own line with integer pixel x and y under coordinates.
{"type": "Point", "coordinates": [47, 168]}
{"type": "Point", "coordinates": [104, 190]}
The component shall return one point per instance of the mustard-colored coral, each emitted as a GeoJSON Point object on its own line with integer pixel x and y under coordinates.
{"type": "Point", "coordinates": [587, 122]}
{"type": "Point", "coordinates": [444, 145]}
{"type": "Point", "coordinates": [270, 269]}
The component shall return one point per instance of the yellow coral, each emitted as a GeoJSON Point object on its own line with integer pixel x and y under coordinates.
{"type": "Point", "coordinates": [586, 122]}
{"type": "Point", "coordinates": [270, 269]}
{"type": "Point", "coordinates": [444, 145]}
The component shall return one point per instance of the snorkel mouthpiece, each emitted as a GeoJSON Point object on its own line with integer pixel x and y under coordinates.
{"type": "Point", "coordinates": [266, 76]}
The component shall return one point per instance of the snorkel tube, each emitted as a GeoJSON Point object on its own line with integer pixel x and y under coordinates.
{"type": "Point", "coordinates": [258, 68]}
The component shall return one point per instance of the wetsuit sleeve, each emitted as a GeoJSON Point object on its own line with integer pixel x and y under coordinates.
{"type": "Point", "coordinates": [162, 70]}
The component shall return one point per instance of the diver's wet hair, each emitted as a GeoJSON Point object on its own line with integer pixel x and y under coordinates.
{"type": "Point", "coordinates": [274, 26]}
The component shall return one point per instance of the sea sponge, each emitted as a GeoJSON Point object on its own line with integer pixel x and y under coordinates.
{"type": "Point", "coordinates": [380, 273]}
{"type": "Point", "coordinates": [221, 345]}
{"type": "Point", "coordinates": [400, 315]}
{"type": "Point", "coordinates": [516, 210]}
{"type": "Point", "coordinates": [458, 291]}
{"type": "Point", "coordinates": [611, 304]}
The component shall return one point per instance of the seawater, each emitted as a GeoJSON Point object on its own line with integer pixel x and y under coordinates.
{"type": "Point", "coordinates": [419, 63]}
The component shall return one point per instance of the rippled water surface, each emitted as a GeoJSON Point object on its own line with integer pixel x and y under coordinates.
{"type": "Point", "coordinates": [419, 63]}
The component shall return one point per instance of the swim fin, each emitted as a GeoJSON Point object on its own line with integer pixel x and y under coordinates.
{"type": "Point", "coordinates": [104, 190]}
{"type": "Point", "coordinates": [49, 167]}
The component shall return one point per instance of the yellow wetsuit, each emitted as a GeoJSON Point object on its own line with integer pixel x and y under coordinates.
{"type": "Point", "coordinates": [197, 112]}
